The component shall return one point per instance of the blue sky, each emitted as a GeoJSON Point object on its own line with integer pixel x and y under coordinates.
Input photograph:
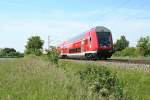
{"type": "Point", "coordinates": [63, 19]}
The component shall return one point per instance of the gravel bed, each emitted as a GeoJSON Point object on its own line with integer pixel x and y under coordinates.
{"type": "Point", "coordinates": [126, 66]}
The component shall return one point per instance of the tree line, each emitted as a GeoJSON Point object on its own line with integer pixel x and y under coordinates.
{"type": "Point", "coordinates": [10, 53]}
{"type": "Point", "coordinates": [121, 47]}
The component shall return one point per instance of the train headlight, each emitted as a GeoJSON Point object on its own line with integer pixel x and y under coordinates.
{"type": "Point", "coordinates": [109, 45]}
{"type": "Point", "coordinates": [101, 45]}
{"type": "Point", "coordinates": [105, 46]}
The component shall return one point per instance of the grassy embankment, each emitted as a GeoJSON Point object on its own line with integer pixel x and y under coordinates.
{"type": "Point", "coordinates": [36, 79]}
{"type": "Point", "coordinates": [135, 84]}
{"type": "Point", "coordinates": [130, 53]}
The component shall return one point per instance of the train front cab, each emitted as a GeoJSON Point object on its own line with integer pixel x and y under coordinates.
{"type": "Point", "coordinates": [104, 42]}
{"type": "Point", "coordinates": [101, 42]}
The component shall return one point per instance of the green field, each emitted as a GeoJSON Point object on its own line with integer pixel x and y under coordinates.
{"type": "Point", "coordinates": [37, 79]}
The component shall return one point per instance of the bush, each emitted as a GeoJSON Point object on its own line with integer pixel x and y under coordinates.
{"type": "Point", "coordinates": [36, 52]}
{"type": "Point", "coordinates": [102, 82]}
{"type": "Point", "coordinates": [130, 52]}
{"type": "Point", "coordinates": [10, 53]}
{"type": "Point", "coordinates": [53, 56]}
{"type": "Point", "coordinates": [117, 54]}
{"type": "Point", "coordinates": [121, 44]}
{"type": "Point", "coordinates": [143, 46]}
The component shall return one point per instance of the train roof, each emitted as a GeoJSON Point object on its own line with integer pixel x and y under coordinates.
{"type": "Point", "coordinates": [97, 29]}
{"type": "Point", "coordinates": [102, 29]}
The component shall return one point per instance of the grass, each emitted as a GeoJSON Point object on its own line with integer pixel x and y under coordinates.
{"type": "Point", "coordinates": [135, 84]}
{"type": "Point", "coordinates": [37, 79]}
{"type": "Point", "coordinates": [34, 79]}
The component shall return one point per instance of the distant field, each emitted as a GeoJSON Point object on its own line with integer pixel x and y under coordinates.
{"type": "Point", "coordinates": [37, 79]}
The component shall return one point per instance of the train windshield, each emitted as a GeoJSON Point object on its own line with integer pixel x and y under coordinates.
{"type": "Point", "coordinates": [103, 38]}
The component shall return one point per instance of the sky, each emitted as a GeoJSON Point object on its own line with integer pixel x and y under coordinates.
{"type": "Point", "coordinates": [63, 19]}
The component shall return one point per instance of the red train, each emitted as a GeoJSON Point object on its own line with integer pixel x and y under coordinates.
{"type": "Point", "coordinates": [96, 43]}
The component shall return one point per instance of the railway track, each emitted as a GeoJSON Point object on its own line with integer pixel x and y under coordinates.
{"type": "Point", "coordinates": [127, 64]}
{"type": "Point", "coordinates": [129, 61]}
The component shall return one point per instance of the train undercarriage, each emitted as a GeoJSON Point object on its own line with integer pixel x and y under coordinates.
{"type": "Point", "coordinates": [103, 54]}
{"type": "Point", "coordinates": [98, 55]}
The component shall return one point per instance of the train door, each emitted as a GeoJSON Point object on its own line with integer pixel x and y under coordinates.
{"type": "Point", "coordinates": [88, 42]}
{"type": "Point", "coordinates": [82, 45]}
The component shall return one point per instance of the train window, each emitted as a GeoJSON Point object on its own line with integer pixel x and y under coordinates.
{"type": "Point", "coordinates": [90, 42]}
{"type": "Point", "coordinates": [90, 39]}
{"type": "Point", "coordinates": [77, 37]}
{"type": "Point", "coordinates": [74, 50]}
{"type": "Point", "coordinates": [103, 38]}
{"type": "Point", "coordinates": [78, 49]}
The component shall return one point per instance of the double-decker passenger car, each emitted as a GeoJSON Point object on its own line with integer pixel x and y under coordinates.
{"type": "Point", "coordinates": [96, 43]}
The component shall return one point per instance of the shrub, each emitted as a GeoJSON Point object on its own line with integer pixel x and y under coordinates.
{"type": "Point", "coordinates": [143, 46]}
{"type": "Point", "coordinates": [130, 52]}
{"type": "Point", "coordinates": [36, 52]}
{"type": "Point", "coordinates": [121, 44]}
{"type": "Point", "coordinates": [117, 54]}
{"type": "Point", "coordinates": [53, 56]}
{"type": "Point", "coordinates": [102, 82]}
{"type": "Point", "coordinates": [10, 53]}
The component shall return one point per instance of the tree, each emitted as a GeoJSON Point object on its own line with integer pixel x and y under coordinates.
{"type": "Point", "coordinates": [34, 46]}
{"type": "Point", "coordinates": [10, 52]}
{"type": "Point", "coordinates": [143, 46]}
{"type": "Point", "coordinates": [121, 44]}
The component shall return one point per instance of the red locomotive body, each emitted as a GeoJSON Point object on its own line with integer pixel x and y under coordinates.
{"type": "Point", "coordinates": [96, 43]}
